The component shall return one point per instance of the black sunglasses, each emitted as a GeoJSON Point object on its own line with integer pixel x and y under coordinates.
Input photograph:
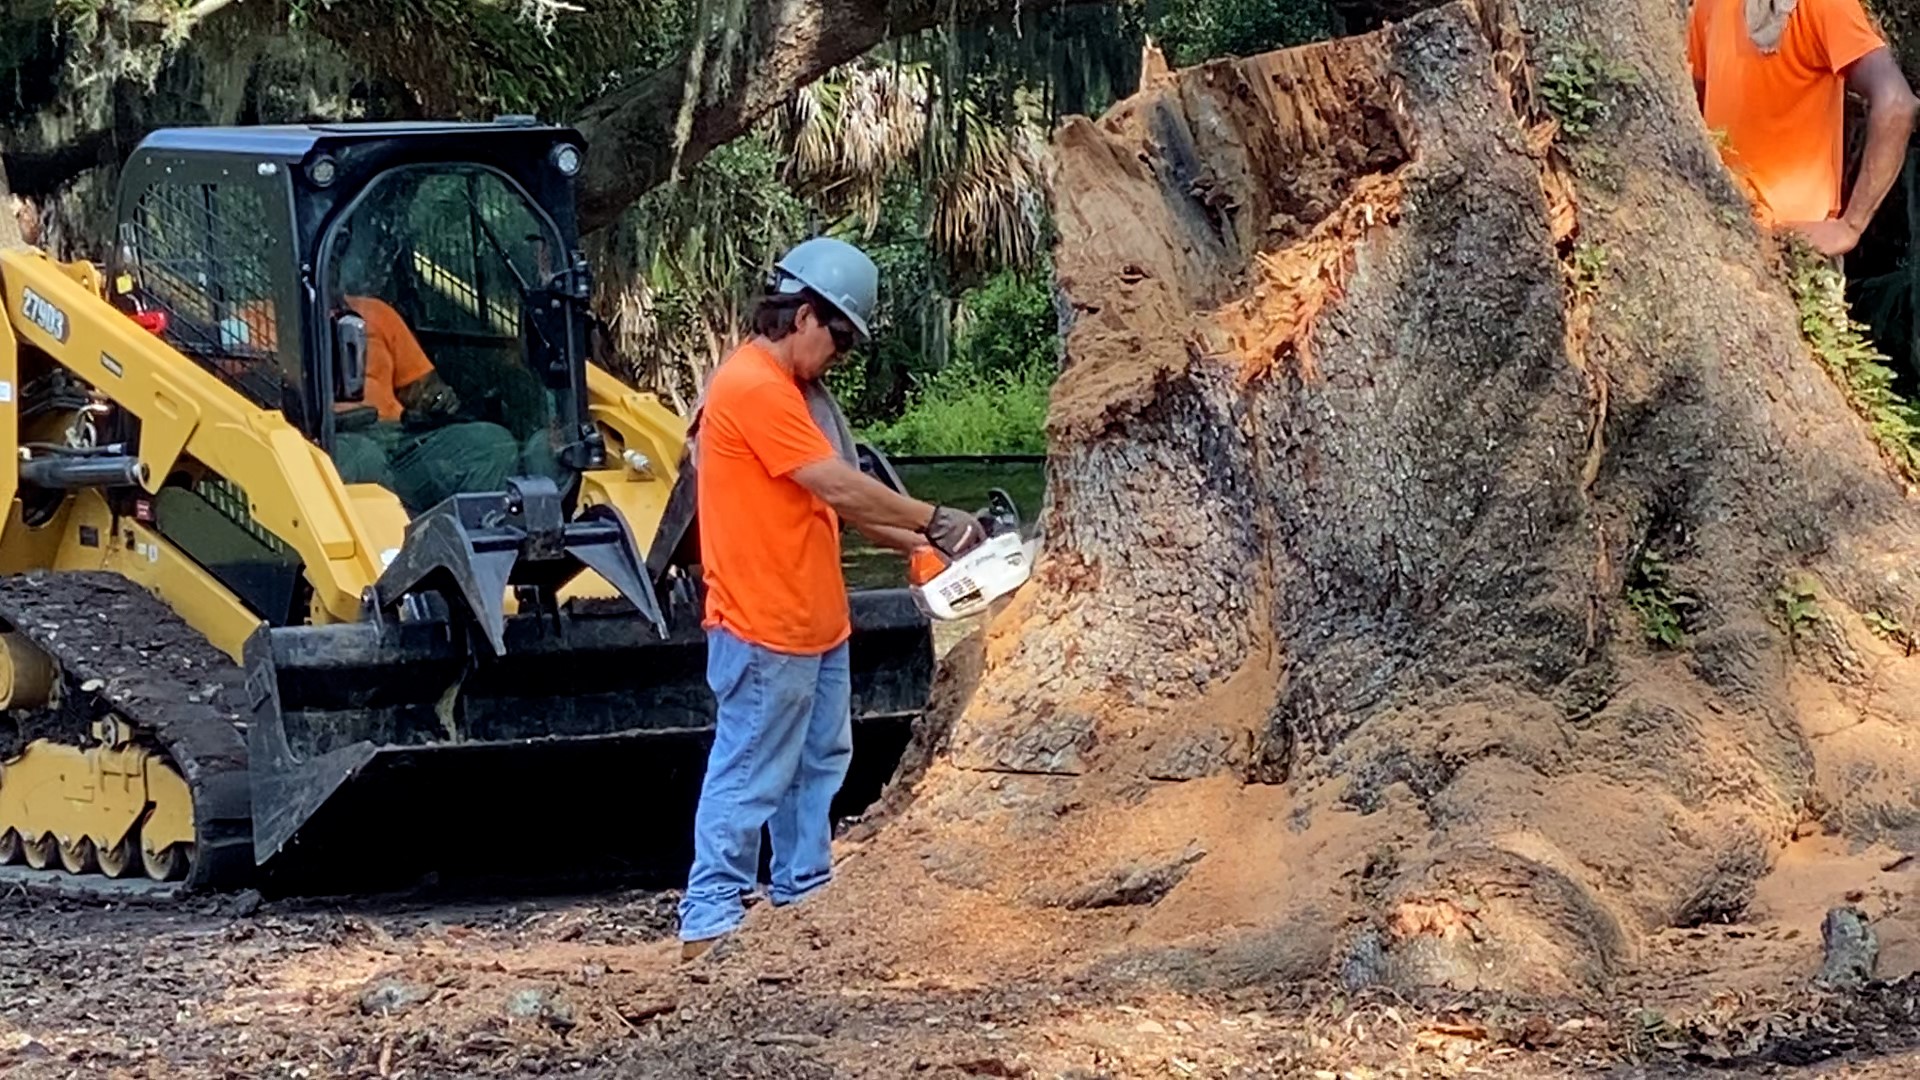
{"type": "Point", "coordinates": [843, 335]}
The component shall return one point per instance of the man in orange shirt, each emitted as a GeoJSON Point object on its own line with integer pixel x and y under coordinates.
{"type": "Point", "coordinates": [1773, 75]}
{"type": "Point", "coordinates": [771, 490]}
{"type": "Point", "coordinates": [403, 436]}
{"type": "Point", "coordinates": [435, 458]}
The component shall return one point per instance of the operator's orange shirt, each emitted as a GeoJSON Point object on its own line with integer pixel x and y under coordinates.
{"type": "Point", "coordinates": [769, 548]}
{"type": "Point", "coordinates": [394, 356]}
{"type": "Point", "coordinates": [1783, 112]}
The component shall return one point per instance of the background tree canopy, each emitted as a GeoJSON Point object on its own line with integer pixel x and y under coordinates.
{"type": "Point", "coordinates": [721, 132]}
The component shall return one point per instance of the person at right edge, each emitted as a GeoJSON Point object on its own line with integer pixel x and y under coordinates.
{"type": "Point", "coordinates": [1772, 75]}
{"type": "Point", "coordinates": [771, 488]}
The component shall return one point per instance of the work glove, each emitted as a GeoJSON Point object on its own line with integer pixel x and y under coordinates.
{"type": "Point", "coordinates": [952, 532]}
{"type": "Point", "coordinates": [429, 403]}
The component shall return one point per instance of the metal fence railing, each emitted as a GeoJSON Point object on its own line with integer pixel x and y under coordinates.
{"type": "Point", "coordinates": [967, 459]}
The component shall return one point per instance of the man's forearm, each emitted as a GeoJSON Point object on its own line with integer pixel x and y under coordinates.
{"type": "Point", "coordinates": [871, 503]}
{"type": "Point", "coordinates": [902, 540]}
{"type": "Point", "coordinates": [1889, 127]}
{"type": "Point", "coordinates": [862, 500]}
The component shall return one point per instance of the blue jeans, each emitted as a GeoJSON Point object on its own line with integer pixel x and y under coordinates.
{"type": "Point", "coordinates": [781, 745]}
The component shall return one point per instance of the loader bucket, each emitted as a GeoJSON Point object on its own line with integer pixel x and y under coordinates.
{"type": "Point", "coordinates": [577, 747]}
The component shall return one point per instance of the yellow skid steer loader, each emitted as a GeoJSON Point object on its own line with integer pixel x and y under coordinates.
{"type": "Point", "coordinates": [329, 551]}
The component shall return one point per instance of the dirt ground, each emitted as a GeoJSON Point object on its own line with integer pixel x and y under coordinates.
{"type": "Point", "coordinates": [424, 985]}
{"type": "Point", "coordinates": [413, 986]}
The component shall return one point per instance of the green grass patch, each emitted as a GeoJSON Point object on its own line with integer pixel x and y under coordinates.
{"type": "Point", "coordinates": [965, 484]}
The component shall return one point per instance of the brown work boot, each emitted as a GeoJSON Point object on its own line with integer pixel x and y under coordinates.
{"type": "Point", "coordinates": [694, 950]}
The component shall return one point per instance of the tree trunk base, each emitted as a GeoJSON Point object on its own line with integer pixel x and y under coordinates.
{"type": "Point", "coordinates": [1457, 564]}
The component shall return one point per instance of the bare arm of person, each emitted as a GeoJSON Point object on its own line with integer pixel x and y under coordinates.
{"type": "Point", "coordinates": [867, 502]}
{"type": "Point", "coordinates": [860, 498]}
{"type": "Point", "coordinates": [1890, 115]}
{"type": "Point", "coordinates": [902, 540]}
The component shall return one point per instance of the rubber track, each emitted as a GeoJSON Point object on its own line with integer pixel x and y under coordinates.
{"type": "Point", "coordinates": [179, 691]}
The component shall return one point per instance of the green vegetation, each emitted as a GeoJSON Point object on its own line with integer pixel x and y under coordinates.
{"type": "Point", "coordinates": [991, 395]}
{"type": "Point", "coordinates": [1576, 83]}
{"type": "Point", "coordinates": [1797, 607]}
{"type": "Point", "coordinates": [946, 197]}
{"type": "Point", "coordinates": [1890, 628]}
{"type": "Point", "coordinates": [1843, 347]}
{"type": "Point", "coordinates": [1664, 610]}
{"type": "Point", "coordinates": [1190, 33]}
{"type": "Point", "coordinates": [1008, 323]}
{"type": "Point", "coordinates": [1589, 267]}
{"type": "Point", "coordinates": [961, 411]}
{"type": "Point", "coordinates": [966, 484]}
{"type": "Point", "coordinates": [927, 154]}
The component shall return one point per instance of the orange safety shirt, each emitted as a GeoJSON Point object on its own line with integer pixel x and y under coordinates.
{"type": "Point", "coordinates": [1782, 111]}
{"type": "Point", "coordinates": [769, 548]}
{"type": "Point", "coordinates": [394, 356]}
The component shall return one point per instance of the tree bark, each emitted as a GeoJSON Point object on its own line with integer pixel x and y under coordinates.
{"type": "Point", "coordinates": [1900, 21]}
{"type": "Point", "coordinates": [1378, 390]}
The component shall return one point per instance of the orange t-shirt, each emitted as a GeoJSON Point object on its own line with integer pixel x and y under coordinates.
{"type": "Point", "coordinates": [769, 548]}
{"type": "Point", "coordinates": [1783, 112]}
{"type": "Point", "coordinates": [394, 356]}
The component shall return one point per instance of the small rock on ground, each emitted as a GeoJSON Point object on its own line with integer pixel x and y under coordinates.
{"type": "Point", "coordinates": [1852, 948]}
{"type": "Point", "coordinates": [391, 996]}
{"type": "Point", "coordinates": [534, 1003]}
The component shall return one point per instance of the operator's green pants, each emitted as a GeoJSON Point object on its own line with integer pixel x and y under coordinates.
{"type": "Point", "coordinates": [426, 467]}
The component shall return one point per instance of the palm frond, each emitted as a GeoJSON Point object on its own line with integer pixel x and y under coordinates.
{"type": "Point", "coordinates": [848, 133]}
{"type": "Point", "coordinates": [989, 201]}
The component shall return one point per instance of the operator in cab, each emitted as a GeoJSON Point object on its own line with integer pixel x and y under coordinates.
{"type": "Point", "coordinates": [774, 478]}
{"type": "Point", "coordinates": [1772, 75]}
{"type": "Point", "coordinates": [407, 435]}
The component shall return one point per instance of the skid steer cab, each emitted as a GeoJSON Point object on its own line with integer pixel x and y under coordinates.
{"type": "Point", "coordinates": [328, 419]}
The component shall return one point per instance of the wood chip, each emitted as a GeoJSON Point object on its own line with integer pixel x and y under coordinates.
{"type": "Point", "coordinates": [647, 1010]}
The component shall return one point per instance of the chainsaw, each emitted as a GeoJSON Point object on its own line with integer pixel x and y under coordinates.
{"type": "Point", "coordinates": [958, 588]}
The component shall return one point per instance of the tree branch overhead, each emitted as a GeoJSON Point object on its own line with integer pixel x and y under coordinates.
{"type": "Point", "coordinates": [785, 44]}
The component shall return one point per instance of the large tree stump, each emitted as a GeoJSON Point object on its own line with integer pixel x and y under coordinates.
{"type": "Point", "coordinates": [1379, 388]}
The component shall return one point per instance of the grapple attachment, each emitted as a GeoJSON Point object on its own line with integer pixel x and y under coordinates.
{"type": "Point", "coordinates": [481, 544]}
{"type": "Point", "coordinates": [441, 734]}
